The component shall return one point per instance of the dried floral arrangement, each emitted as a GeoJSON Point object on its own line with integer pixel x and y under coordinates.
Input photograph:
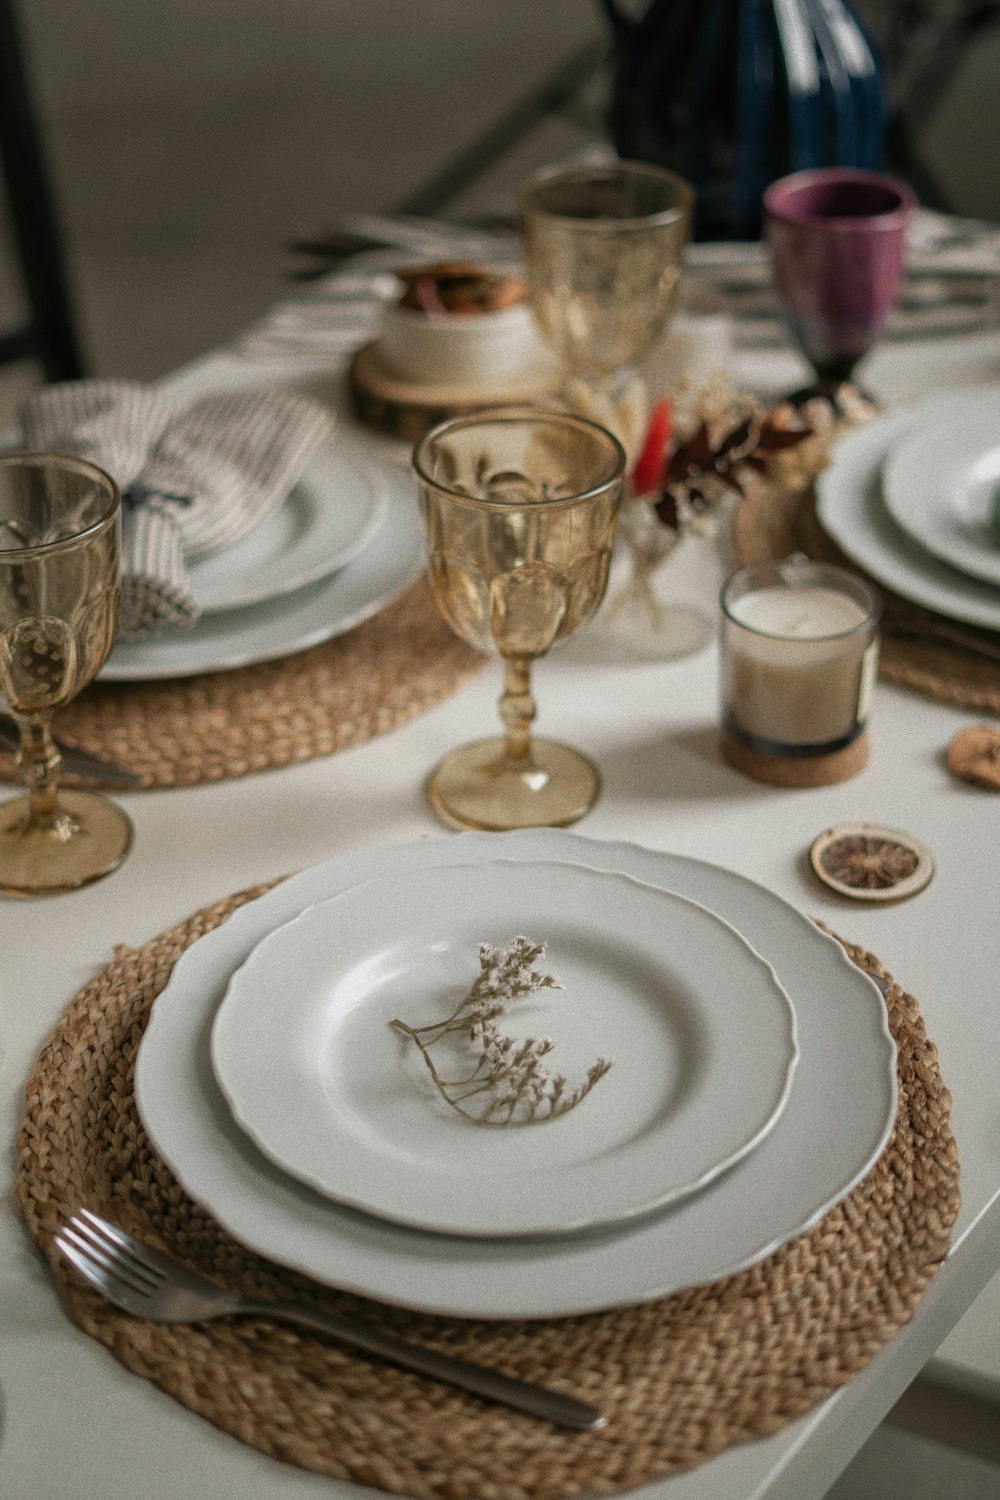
{"type": "Point", "coordinates": [707, 442]}
{"type": "Point", "coordinates": [508, 1082]}
{"type": "Point", "coordinates": [704, 443]}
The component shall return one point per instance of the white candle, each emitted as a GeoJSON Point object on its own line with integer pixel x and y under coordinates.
{"type": "Point", "coordinates": [798, 662]}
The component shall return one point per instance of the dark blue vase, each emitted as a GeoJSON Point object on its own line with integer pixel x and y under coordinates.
{"type": "Point", "coordinates": [732, 94]}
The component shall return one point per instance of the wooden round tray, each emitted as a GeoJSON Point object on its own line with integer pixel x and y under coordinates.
{"type": "Point", "coordinates": [407, 410]}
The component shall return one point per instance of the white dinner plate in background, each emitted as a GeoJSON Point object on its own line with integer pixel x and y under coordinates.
{"type": "Point", "coordinates": [851, 509]}
{"type": "Point", "coordinates": [391, 561]}
{"type": "Point", "coordinates": [941, 482]}
{"type": "Point", "coordinates": [329, 517]}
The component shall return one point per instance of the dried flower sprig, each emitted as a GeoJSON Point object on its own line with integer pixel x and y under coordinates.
{"type": "Point", "coordinates": [708, 461]}
{"type": "Point", "coordinates": [510, 1083]}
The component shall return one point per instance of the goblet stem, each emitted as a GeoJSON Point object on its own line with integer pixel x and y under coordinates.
{"type": "Point", "coordinates": [517, 710]}
{"type": "Point", "coordinates": [40, 764]}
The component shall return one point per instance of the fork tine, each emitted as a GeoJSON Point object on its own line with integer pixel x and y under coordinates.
{"type": "Point", "coordinates": [104, 1259]}
{"type": "Point", "coordinates": [83, 1263]}
{"type": "Point", "coordinates": [115, 1242]}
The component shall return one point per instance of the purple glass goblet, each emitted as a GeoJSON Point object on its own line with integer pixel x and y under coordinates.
{"type": "Point", "coordinates": [838, 248]}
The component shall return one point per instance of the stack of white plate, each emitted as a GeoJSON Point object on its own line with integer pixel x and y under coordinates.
{"type": "Point", "coordinates": [345, 543]}
{"type": "Point", "coordinates": [753, 1080]}
{"type": "Point", "coordinates": [911, 498]}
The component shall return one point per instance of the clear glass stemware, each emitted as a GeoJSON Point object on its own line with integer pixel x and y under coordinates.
{"type": "Point", "coordinates": [519, 510]}
{"type": "Point", "coordinates": [603, 246]}
{"type": "Point", "coordinates": [59, 591]}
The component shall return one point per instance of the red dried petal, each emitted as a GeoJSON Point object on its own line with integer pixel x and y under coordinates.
{"type": "Point", "coordinates": [651, 461]}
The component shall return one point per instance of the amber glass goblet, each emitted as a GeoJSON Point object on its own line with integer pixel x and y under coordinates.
{"type": "Point", "coordinates": [602, 247]}
{"type": "Point", "coordinates": [59, 585]}
{"type": "Point", "coordinates": [519, 510]}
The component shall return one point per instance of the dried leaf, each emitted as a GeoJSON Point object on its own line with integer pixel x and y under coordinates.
{"type": "Point", "coordinates": [773, 439]}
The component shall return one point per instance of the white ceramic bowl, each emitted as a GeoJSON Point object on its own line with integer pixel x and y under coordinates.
{"type": "Point", "coordinates": [476, 349]}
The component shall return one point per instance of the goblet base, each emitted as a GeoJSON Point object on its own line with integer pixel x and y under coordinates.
{"type": "Point", "coordinates": [844, 398]}
{"type": "Point", "coordinates": [631, 633]}
{"type": "Point", "coordinates": [478, 786]}
{"type": "Point", "coordinates": [88, 838]}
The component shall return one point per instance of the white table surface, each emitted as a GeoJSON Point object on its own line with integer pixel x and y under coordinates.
{"type": "Point", "coordinates": [74, 1422]}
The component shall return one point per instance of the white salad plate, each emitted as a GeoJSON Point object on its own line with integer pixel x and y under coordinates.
{"type": "Point", "coordinates": [700, 1035]}
{"type": "Point", "coordinates": [850, 506]}
{"type": "Point", "coordinates": [391, 560]}
{"type": "Point", "coordinates": [835, 1124]}
{"type": "Point", "coordinates": [941, 482]}
{"type": "Point", "coordinates": [329, 517]}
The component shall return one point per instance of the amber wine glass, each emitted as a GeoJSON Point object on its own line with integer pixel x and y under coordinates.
{"type": "Point", "coordinates": [59, 584]}
{"type": "Point", "coordinates": [519, 510]}
{"type": "Point", "coordinates": [602, 247]}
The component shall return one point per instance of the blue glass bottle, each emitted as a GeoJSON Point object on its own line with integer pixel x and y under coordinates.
{"type": "Point", "coordinates": [733, 94]}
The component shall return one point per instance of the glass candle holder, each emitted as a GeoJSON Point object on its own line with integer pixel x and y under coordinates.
{"type": "Point", "coordinates": [799, 657]}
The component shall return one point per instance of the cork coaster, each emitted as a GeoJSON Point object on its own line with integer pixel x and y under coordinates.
{"type": "Point", "coordinates": [796, 771]}
{"type": "Point", "coordinates": [680, 1379]}
{"type": "Point", "coordinates": [191, 730]}
{"type": "Point", "coordinates": [770, 524]}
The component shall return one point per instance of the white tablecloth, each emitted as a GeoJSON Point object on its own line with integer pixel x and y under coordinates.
{"type": "Point", "coordinates": [77, 1423]}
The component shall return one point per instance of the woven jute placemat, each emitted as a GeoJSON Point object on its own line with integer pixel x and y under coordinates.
{"type": "Point", "coordinates": [769, 524]}
{"type": "Point", "coordinates": [192, 730]}
{"type": "Point", "coordinates": [680, 1379]}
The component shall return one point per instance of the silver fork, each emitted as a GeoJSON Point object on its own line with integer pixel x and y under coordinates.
{"type": "Point", "coordinates": [142, 1281]}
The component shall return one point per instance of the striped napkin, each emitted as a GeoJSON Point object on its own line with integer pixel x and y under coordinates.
{"type": "Point", "coordinates": [194, 478]}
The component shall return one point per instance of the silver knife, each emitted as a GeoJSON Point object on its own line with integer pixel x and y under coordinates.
{"type": "Point", "coordinates": [77, 762]}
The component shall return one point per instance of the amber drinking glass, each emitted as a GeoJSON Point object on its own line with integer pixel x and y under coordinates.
{"type": "Point", "coordinates": [602, 246]}
{"type": "Point", "coordinates": [519, 510]}
{"type": "Point", "coordinates": [59, 586]}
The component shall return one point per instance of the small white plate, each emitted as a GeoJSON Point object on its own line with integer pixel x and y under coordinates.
{"type": "Point", "coordinates": [262, 632]}
{"type": "Point", "coordinates": [940, 481]}
{"type": "Point", "coordinates": [329, 518]}
{"type": "Point", "coordinates": [701, 1035]}
{"type": "Point", "coordinates": [850, 508]}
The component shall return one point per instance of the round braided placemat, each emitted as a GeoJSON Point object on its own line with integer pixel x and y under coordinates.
{"type": "Point", "coordinates": [680, 1379]}
{"type": "Point", "coordinates": [771, 523]}
{"type": "Point", "coordinates": [190, 730]}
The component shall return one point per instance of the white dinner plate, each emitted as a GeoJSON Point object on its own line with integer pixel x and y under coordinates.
{"type": "Point", "coordinates": [850, 507]}
{"type": "Point", "coordinates": [700, 1035]}
{"type": "Point", "coordinates": [941, 481]}
{"type": "Point", "coordinates": [232, 638]}
{"type": "Point", "coordinates": [329, 517]}
{"type": "Point", "coordinates": [837, 1120]}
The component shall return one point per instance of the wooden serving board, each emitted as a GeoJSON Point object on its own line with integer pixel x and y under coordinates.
{"type": "Point", "coordinates": [407, 410]}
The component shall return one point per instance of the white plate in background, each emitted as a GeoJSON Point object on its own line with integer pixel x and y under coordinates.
{"type": "Point", "coordinates": [390, 562]}
{"type": "Point", "coordinates": [329, 517]}
{"type": "Point", "coordinates": [941, 482]}
{"type": "Point", "coordinates": [850, 508]}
